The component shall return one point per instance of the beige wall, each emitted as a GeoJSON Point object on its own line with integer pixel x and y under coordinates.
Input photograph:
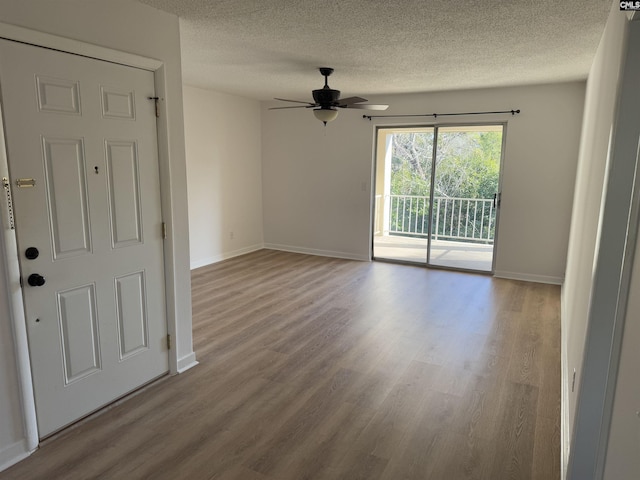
{"type": "Point", "coordinates": [224, 173]}
{"type": "Point", "coordinates": [137, 29]}
{"type": "Point", "coordinates": [317, 180]}
{"type": "Point", "coordinates": [600, 103]}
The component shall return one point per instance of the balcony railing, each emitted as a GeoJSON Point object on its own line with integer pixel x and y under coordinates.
{"type": "Point", "coordinates": [464, 219]}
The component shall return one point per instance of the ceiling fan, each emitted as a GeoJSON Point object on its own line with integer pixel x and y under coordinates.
{"type": "Point", "coordinates": [327, 101]}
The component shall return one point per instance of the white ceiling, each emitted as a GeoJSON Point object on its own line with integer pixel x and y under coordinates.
{"type": "Point", "coordinates": [271, 48]}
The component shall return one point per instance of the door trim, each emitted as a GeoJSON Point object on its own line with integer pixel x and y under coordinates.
{"type": "Point", "coordinates": [76, 47]}
{"type": "Point", "coordinates": [16, 310]}
{"type": "Point", "coordinates": [68, 45]}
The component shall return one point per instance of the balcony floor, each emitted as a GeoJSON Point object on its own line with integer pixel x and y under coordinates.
{"type": "Point", "coordinates": [445, 253]}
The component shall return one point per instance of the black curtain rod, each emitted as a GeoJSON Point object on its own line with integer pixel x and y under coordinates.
{"type": "Point", "coordinates": [436, 115]}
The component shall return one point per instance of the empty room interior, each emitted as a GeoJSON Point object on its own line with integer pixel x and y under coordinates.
{"type": "Point", "coordinates": [319, 240]}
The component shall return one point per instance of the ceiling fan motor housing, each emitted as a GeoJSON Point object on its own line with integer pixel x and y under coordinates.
{"type": "Point", "coordinates": [326, 97]}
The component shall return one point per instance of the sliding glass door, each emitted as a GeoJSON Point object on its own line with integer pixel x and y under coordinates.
{"type": "Point", "coordinates": [403, 194]}
{"type": "Point", "coordinates": [442, 212]}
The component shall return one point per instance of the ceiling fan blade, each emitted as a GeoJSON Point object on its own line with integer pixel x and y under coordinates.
{"type": "Point", "coordinates": [296, 106]}
{"type": "Point", "coordinates": [295, 101]}
{"type": "Point", "coordinates": [350, 100]}
{"type": "Point", "coordinates": [367, 106]}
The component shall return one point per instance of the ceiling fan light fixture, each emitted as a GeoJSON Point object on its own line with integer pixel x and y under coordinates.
{"type": "Point", "coordinates": [325, 114]}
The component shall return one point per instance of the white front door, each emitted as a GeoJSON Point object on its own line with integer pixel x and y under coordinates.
{"type": "Point", "coordinates": [81, 143]}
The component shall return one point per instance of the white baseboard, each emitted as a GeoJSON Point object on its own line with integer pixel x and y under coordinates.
{"type": "Point", "coordinates": [224, 256]}
{"type": "Point", "coordinates": [527, 277]}
{"type": "Point", "coordinates": [12, 454]}
{"type": "Point", "coordinates": [187, 362]}
{"type": "Point", "coordinates": [320, 253]}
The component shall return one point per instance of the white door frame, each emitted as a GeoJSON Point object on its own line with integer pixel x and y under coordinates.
{"type": "Point", "coordinates": [12, 32]}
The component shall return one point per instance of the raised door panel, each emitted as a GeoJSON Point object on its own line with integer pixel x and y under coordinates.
{"type": "Point", "coordinates": [124, 193]}
{"type": "Point", "coordinates": [66, 185]}
{"type": "Point", "coordinates": [131, 308]}
{"type": "Point", "coordinates": [118, 103]}
{"type": "Point", "coordinates": [58, 95]}
{"type": "Point", "coordinates": [79, 335]}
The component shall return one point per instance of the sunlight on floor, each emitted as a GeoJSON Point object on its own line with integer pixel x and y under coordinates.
{"type": "Point", "coordinates": [443, 252]}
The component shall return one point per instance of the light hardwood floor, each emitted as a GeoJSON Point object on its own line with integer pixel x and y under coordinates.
{"type": "Point", "coordinates": [318, 368]}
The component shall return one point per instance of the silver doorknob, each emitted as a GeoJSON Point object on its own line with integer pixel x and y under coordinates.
{"type": "Point", "coordinates": [36, 280]}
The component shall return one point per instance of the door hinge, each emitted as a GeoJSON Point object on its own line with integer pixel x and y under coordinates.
{"type": "Point", "coordinates": [168, 341]}
{"type": "Point", "coordinates": [156, 100]}
{"type": "Point", "coordinates": [164, 230]}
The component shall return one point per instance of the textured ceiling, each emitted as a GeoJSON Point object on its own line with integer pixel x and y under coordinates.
{"type": "Point", "coordinates": [271, 48]}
